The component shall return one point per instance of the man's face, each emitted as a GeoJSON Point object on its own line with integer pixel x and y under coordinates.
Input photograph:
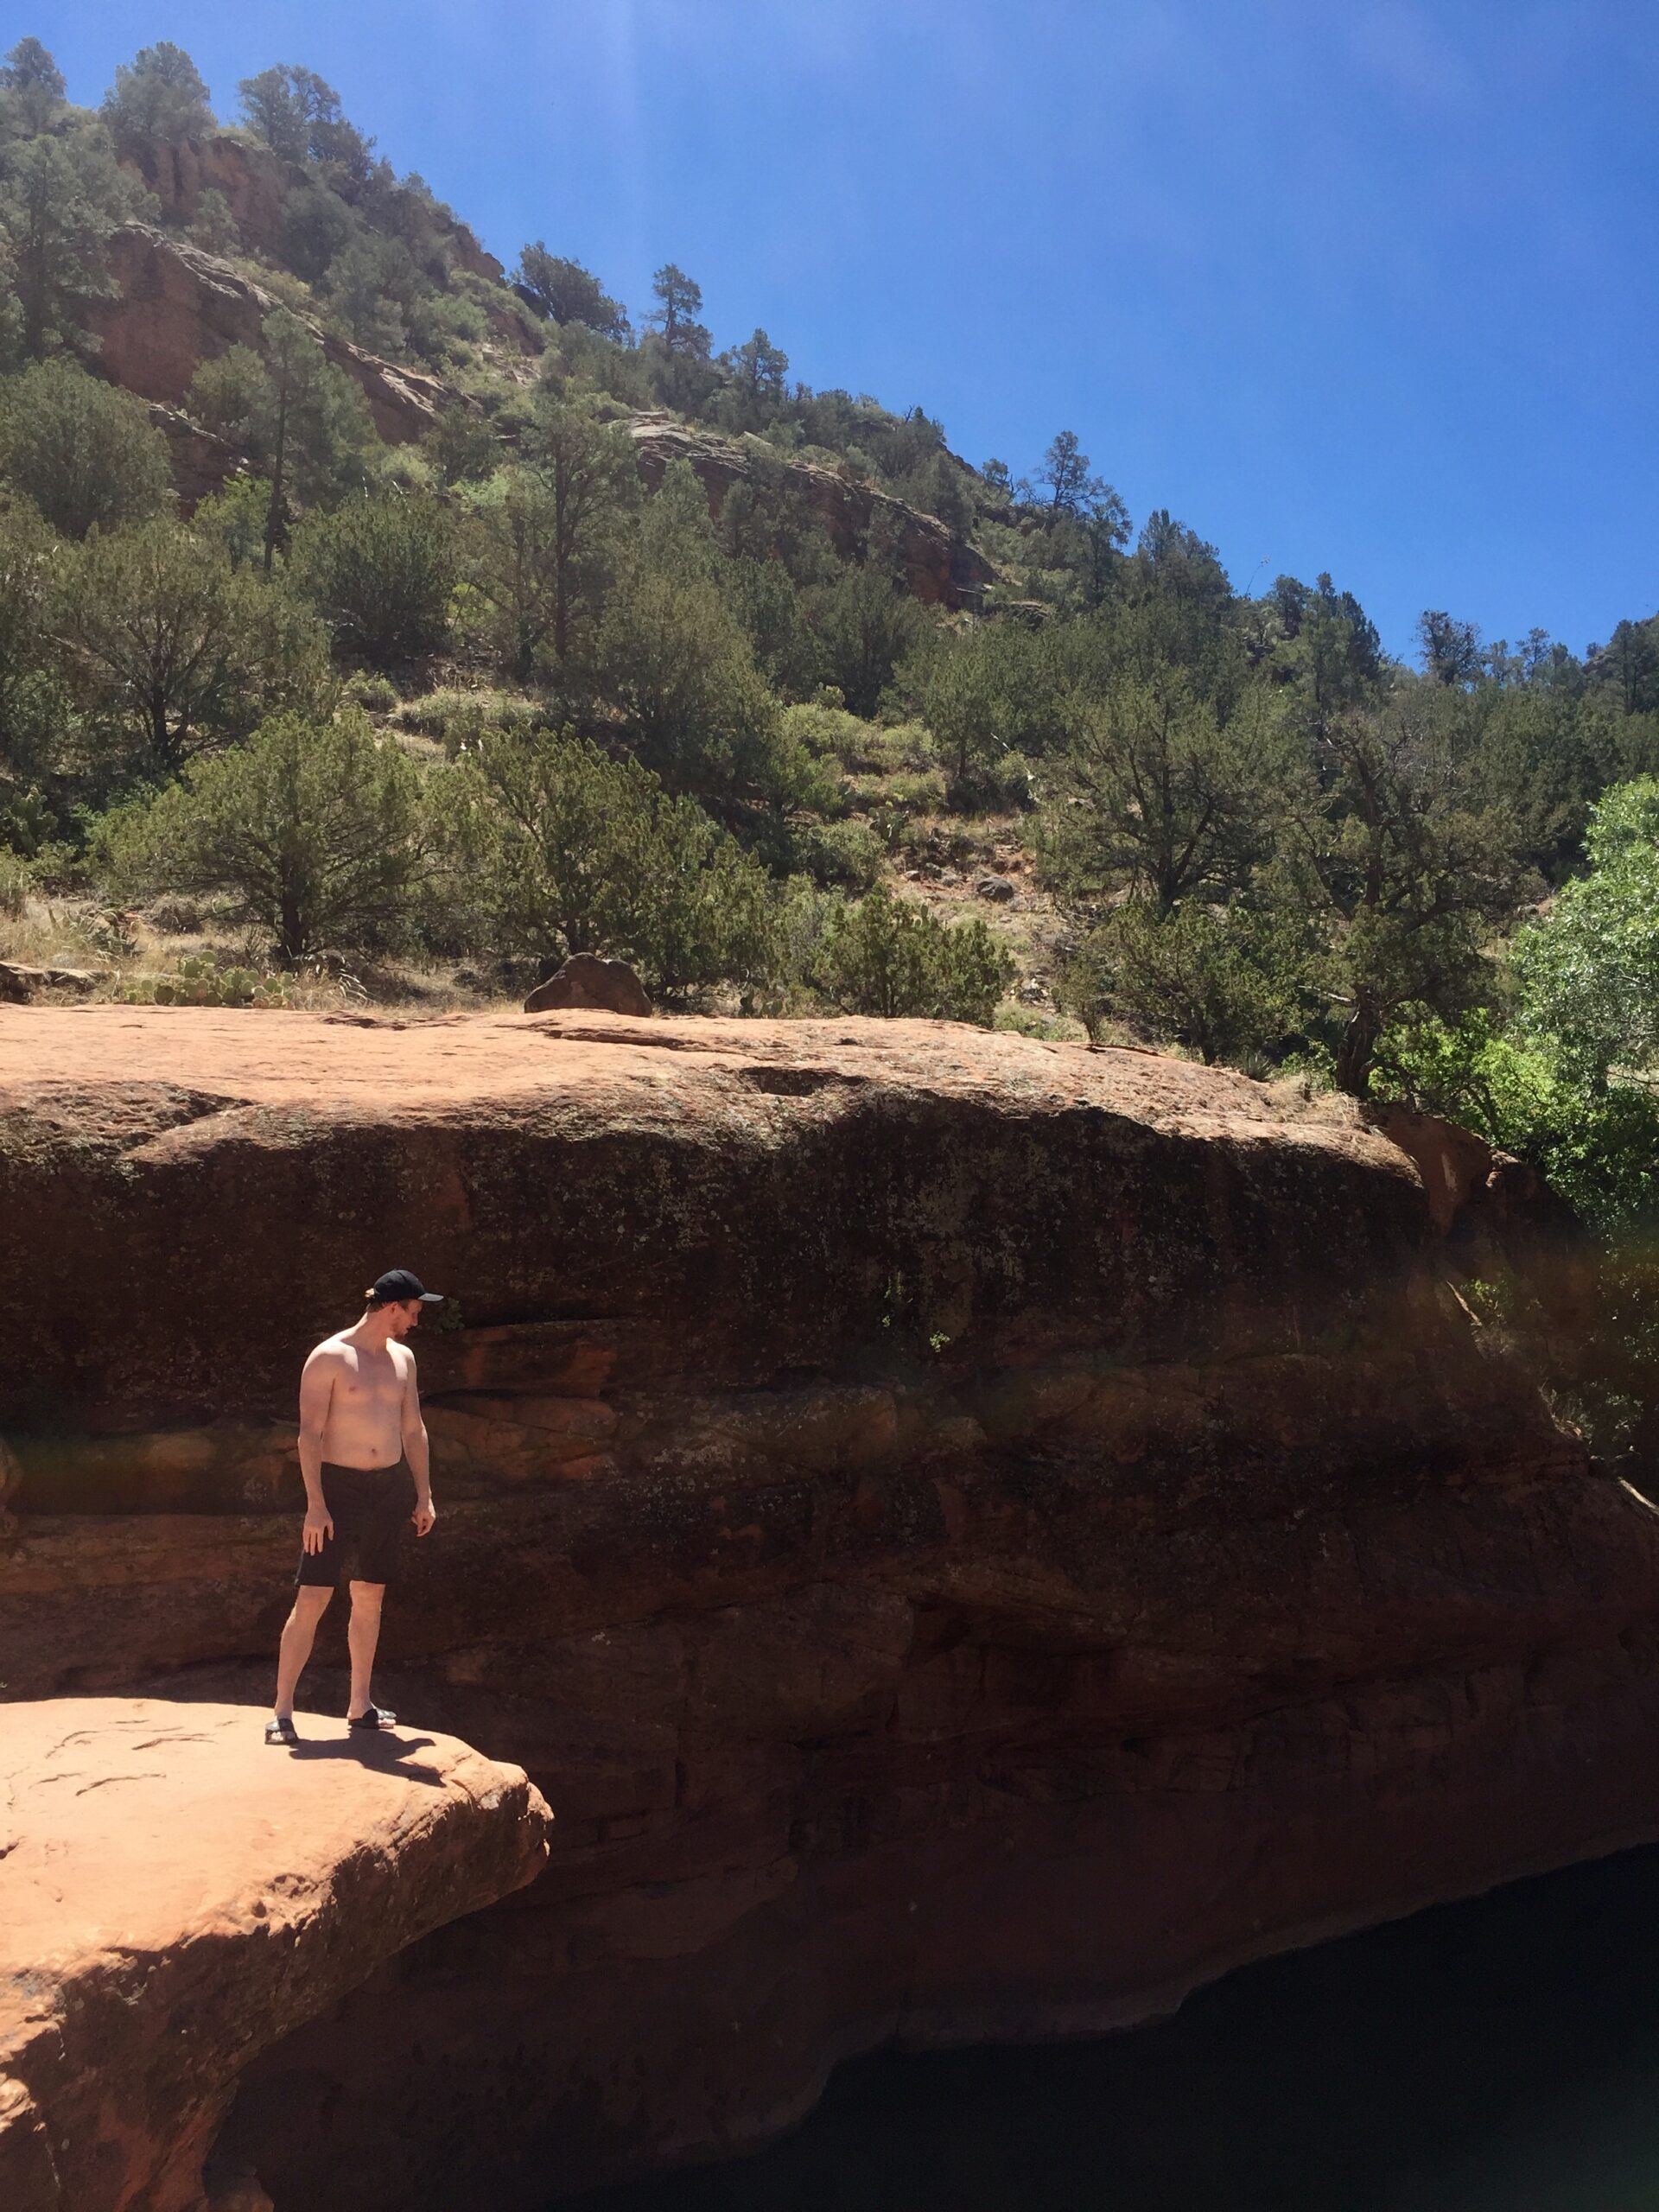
{"type": "Point", "coordinates": [402, 1315]}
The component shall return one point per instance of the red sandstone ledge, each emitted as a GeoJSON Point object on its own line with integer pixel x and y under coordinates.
{"type": "Point", "coordinates": [174, 1896]}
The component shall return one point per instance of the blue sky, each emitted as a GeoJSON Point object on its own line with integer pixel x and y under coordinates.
{"type": "Point", "coordinates": [1363, 285]}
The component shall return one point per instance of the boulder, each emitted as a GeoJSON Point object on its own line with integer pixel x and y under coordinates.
{"type": "Point", "coordinates": [607, 986]}
{"type": "Point", "coordinates": [974, 1536]}
{"type": "Point", "coordinates": [175, 1895]}
{"type": "Point", "coordinates": [999, 889]}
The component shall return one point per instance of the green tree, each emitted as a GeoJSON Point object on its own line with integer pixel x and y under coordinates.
{"type": "Point", "coordinates": [87, 455]}
{"type": "Point", "coordinates": [679, 302]}
{"type": "Point", "coordinates": [1589, 969]}
{"type": "Point", "coordinates": [298, 115]}
{"type": "Point", "coordinates": [32, 94]}
{"type": "Point", "coordinates": [563, 291]}
{"type": "Point", "coordinates": [314, 832]}
{"type": "Point", "coordinates": [675, 664]}
{"type": "Point", "coordinates": [381, 570]}
{"type": "Point", "coordinates": [866, 623]}
{"type": "Point", "coordinates": [301, 423]}
{"type": "Point", "coordinates": [565, 849]}
{"type": "Point", "coordinates": [1066, 471]}
{"type": "Point", "coordinates": [1409, 860]}
{"type": "Point", "coordinates": [167, 644]}
{"type": "Point", "coordinates": [1228, 982]}
{"type": "Point", "coordinates": [542, 550]}
{"type": "Point", "coordinates": [885, 956]}
{"type": "Point", "coordinates": [158, 95]}
{"type": "Point", "coordinates": [1157, 794]}
{"type": "Point", "coordinates": [33, 712]}
{"type": "Point", "coordinates": [759, 370]}
{"type": "Point", "coordinates": [60, 199]}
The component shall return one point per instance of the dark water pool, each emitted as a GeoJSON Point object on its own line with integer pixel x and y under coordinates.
{"type": "Point", "coordinates": [1500, 2055]}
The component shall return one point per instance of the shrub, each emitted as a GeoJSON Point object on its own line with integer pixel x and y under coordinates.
{"type": "Point", "coordinates": [890, 956]}
{"type": "Point", "coordinates": [84, 454]}
{"type": "Point", "coordinates": [381, 571]}
{"type": "Point", "coordinates": [312, 833]}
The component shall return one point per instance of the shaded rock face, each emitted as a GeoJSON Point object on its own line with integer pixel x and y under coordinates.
{"type": "Point", "coordinates": [175, 1895]}
{"type": "Point", "coordinates": [609, 986]}
{"type": "Point", "coordinates": [175, 307]}
{"type": "Point", "coordinates": [971, 1537]}
{"type": "Point", "coordinates": [941, 568]}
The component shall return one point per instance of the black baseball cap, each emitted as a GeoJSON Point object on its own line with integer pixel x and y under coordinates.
{"type": "Point", "coordinates": [397, 1285]}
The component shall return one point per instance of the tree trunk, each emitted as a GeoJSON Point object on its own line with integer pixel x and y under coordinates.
{"type": "Point", "coordinates": [1359, 1047]}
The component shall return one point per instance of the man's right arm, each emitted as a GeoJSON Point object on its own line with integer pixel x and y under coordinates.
{"type": "Point", "coordinates": [316, 1389]}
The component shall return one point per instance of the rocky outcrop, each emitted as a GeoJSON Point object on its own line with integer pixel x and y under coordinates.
{"type": "Point", "coordinates": [175, 1896]}
{"type": "Point", "coordinates": [972, 1537]}
{"type": "Point", "coordinates": [174, 307]}
{"type": "Point", "coordinates": [941, 568]}
{"type": "Point", "coordinates": [584, 980]}
{"type": "Point", "coordinates": [255, 183]}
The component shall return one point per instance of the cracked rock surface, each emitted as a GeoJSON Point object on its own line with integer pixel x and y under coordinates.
{"type": "Point", "coordinates": [175, 1895]}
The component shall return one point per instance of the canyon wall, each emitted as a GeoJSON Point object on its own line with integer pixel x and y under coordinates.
{"type": "Point", "coordinates": [971, 1537]}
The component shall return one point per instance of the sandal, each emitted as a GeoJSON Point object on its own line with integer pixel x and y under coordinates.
{"type": "Point", "coordinates": [279, 1729]}
{"type": "Point", "coordinates": [375, 1716]}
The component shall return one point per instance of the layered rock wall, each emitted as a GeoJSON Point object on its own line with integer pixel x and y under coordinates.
{"type": "Point", "coordinates": [971, 1537]}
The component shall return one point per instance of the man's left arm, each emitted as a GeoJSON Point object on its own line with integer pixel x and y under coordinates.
{"type": "Point", "coordinates": [417, 1450]}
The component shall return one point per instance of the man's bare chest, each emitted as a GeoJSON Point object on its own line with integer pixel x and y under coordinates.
{"type": "Point", "coordinates": [367, 1384]}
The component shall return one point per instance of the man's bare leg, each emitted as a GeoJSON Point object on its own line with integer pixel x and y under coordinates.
{"type": "Point", "coordinates": [362, 1634]}
{"type": "Point", "coordinates": [299, 1633]}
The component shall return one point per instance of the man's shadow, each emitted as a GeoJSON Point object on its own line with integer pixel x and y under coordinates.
{"type": "Point", "coordinates": [383, 1750]}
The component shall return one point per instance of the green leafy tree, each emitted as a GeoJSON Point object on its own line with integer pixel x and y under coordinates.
{"type": "Point", "coordinates": [564, 849]}
{"type": "Point", "coordinates": [159, 94]}
{"type": "Point", "coordinates": [866, 623]}
{"type": "Point", "coordinates": [314, 833]}
{"type": "Point", "coordinates": [563, 291]}
{"type": "Point", "coordinates": [1228, 982]}
{"type": "Point", "coordinates": [674, 661]}
{"type": "Point", "coordinates": [382, 570]}
{"type": "Point", "coordinates": [542, 550]}
{"type": "Point", "coordinates": [1589, 969]}
{"type": "Point", "coordinates": [1157, 794]}
{"type": "Point", "coordinates": [32, 94]}
{"type": "Point", "coordinates": [213, 227]}
{"type": "Point", "coordinates": [1451, 650]}
{"type": "Point", "coordinates": [887, 956]}
{"type": "Point", "coordinates": [33, 712]}
{"type": "Point", "coordinates": [1410, 861]}
{"type": "Point", "coordinates": [679, 302]}
{"type": "Point", "coordinates": [1066, 471]}
{"type": "Point", "coordinates": [60, 199]}
{"type": "Point", "coordinates": [298, 116]}
{"type": "Point", "coordinates": [168, 645]}
{"type": "Point", "coordinates": [758, 372]}
{"type": "Point", "coordinates": [301, 423]}
{"type": "Point", "coordinates": [87, 455]}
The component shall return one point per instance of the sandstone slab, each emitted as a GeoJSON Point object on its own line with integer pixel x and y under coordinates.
{"type": "Point", "coordinates": [175, 1896]}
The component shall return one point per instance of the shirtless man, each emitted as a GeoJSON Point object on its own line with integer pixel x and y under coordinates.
{"type": "Point", "coordinates": [363, 1453]}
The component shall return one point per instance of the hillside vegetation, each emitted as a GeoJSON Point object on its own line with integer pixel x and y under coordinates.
{"type": "Point", "coordinates": [448, 621]}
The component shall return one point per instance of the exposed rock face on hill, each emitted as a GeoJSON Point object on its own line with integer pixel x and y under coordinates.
{"type": "Point", "coordinates": [175, 307]}
{"type": "Point", "coordinates": [942, 569]}
{"type": "Point", "coordinates": [174, 1896]}
{"type": "Point", "coordinates": [255, 183]}
{"type": "Point", "coordinates": [971, 1537]}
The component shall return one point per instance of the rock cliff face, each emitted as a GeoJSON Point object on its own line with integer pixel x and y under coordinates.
{"type": "Point", "coordinates": [970, 1537]}
{"type": "Point", "coordinates": [174, 1896]}
{"type": "Point", "coordinates": [941, 568]}
{"type": "Point", "coordinates": [175, 307]}
{"type": "Point", "coordinates": [257, 183]}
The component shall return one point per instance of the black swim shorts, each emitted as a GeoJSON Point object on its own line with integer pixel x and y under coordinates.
{"type": "Point", "coordinates": [370, 1508]}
